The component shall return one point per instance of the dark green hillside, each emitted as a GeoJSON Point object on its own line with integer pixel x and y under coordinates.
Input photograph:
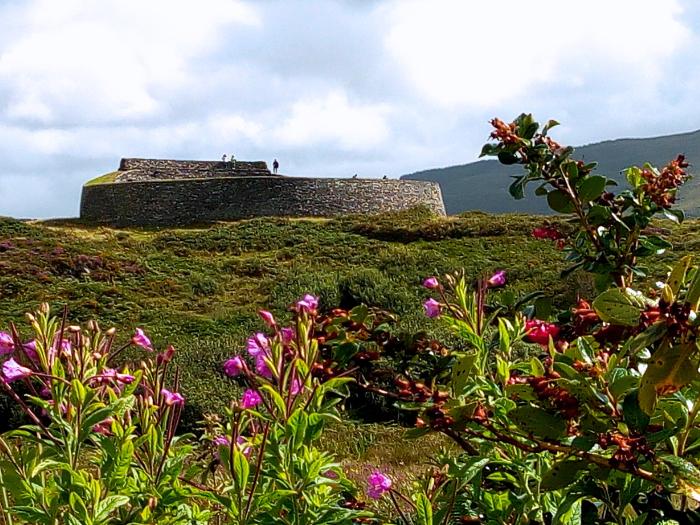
{"type": "Point", "coordinates": [483, 185]}
{"type": "Point", "coordinates": [199, 288]}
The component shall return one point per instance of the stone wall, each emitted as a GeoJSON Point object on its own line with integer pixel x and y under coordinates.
{"type": "Point", "coordinates": [158, 169]}
{"type": "Point", "coordinates": [182, 202]}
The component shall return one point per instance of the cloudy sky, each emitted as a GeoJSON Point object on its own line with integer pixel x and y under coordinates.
{"type": "Point", "coordinates": [330, 88]}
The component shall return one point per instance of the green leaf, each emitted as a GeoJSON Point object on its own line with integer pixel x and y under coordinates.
{"type": "Point", "coordinates": [675, 280]}
{"type": "Point", "coordinates": [534, 420]}
{"type": "Point", "coordinates": [693, 296]}
{"type": "Point", "coordinates": [562, 474]}
{"type": "Point", "coordinates": [108, 505]}
{"type": "Point", "coordinates": [517, 188]}
{"type": "Point", "coordinates": [536, 367]}
{"type": "Point", "coordinates": [617, 307]}
{"type": "Point", "coordinates": [424, 510]}
{"type": "Point", "coordinates": [507, 158]}
{"type": "Point", "coordinates": [633, 176]}
{"type": "Point", "coordinates": [676, 216]}
{"type": "Point", "coordinates": [591, 188]}
{"type": "Point", "coordinates": [560, 201]}
{"type": "Point", "coordinates": [669, 369]}
{"type": "Point", "coordinates": [241, 469]}
{"type": "Point", "coordinates": [461, 372]}
{"type": "Point", "coordinates": [633, 414]}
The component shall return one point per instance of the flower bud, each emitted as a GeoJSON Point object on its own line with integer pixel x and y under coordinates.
{"type": "Point", "coordinates": [111, 332]}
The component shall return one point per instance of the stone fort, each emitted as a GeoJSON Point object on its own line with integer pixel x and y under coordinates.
{"type": "Point", "coordinates": [154, 192]}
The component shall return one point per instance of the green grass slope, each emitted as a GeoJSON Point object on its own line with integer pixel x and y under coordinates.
{"type": "Point", "coordinates": [200, 288]}
{"type": "Point", "coordinates": [483, 185]}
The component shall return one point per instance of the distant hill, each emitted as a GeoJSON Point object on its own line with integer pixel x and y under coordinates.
{"type": "Point", "coordinates": [483, 185]}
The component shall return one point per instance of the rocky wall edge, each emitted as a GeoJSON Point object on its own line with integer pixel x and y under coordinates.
{"type": "Point", "coordinates": [182, 202]}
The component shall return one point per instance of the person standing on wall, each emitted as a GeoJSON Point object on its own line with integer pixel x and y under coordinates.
{"type": "Point", "coordinates": [275, 166]}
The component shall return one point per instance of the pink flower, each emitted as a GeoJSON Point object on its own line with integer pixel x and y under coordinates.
{"type": "Point", "coordinates": [261, 366]}
{"type": "Point", "coordinates": [497, 279]}
{"type": "Point", "coordinates": [222, 441]}
{"type": "Point", "coordinates": [287, 335]}
{"type": "Point", "coordinates": [307, 304]}
{"type": "Point", "coordinates": [251, 398]}
{"type": "Point", "coordinates": [167, 356]}
{"type": "Point", "coordinates": [140, 339]}
{"type": "Point", "coordinates": [432, 308]}
{"type": "Point", "coordinates": [30, 349]}
{"type": "Point", "coordinates": [65, 347]}
{"type": "Point", "coordinates": [127, 379]}
{"type": "Point", "coordinates": [12, 370]}
{"type": "Point", "coordinates": [538, 331]}
{"type": "Point", "coordinates": [258, 344]}
{"type": "Point", "coordinates": [379, 483]}
{"type": "Point", "coordinates": [431, 283]}
{"type": "Point", "coordinates": [234, 366]}
{"type": "Point", "coordinates": [267, 317]}
{"type": "Point", "coordinates": [172, 398]}
{"type": "Point", "coordinates": [104, 427]}
{"type": "Point", "coordinates": [547, 232]}
{"type": "Point", "coordinates": [7, 345]}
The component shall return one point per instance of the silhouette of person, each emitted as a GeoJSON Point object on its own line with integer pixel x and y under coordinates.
{"type": "Point", "coordinates": [223, 157]}
{"type": "Point", "coordinates": [275, 166]}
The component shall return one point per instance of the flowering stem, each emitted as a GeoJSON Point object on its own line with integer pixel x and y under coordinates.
{"type": "Point", "coordinates": [258, 469]}
{"type": "Point", "coordinates": [397, 507]}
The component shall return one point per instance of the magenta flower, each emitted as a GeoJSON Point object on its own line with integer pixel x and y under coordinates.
{"type": "Point", "coordinates": [140, 339]}
{"type": "Point", "coordinates": [7, 345]}
{"type": "Point", "coordinates": [307, 304]}
{"type": "Point", "coordinates": [497, 279]}
{"type": "Point", "coordinates": [261, 367]}
{"type": "Point", "coordinates": [172, 398]}
{"type": "Point", "coordinates": [538, 331]}
{"type": "Point", "coordinates": [432, 308]}
{"type": "Point", "coordinates": [167, 356]}
{"type": "Point", "coordinates": [104, 427]}
{"type": "Point", "coordinates": [296, 387]}
{"type": "Point", "coordinates": [258, 344]}
{"type": "Point", "coordinates": [234, 366]}
{"type": "Point", "coordinates": [287, 335]}
{"type": "Point", "coordinates": [267, 317]}
{"type": "Point", "coordinates": [30, 349]}
{"type": "Point", "coordinates": [251, 398]}
{"type": "Point", "coordinates": [126, 379]}
{"type": "Point", "coordinates": [431, 283]}
{"type": "Point", "coordinates": [12, 370]}
{"type": "Point", "coordinates": [379, 483]}
{"type": "Point", "coordinates": [222, 441]}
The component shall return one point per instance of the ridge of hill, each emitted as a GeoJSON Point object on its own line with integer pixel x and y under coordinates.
{"type": "Point", "coordinates": [483, 185]}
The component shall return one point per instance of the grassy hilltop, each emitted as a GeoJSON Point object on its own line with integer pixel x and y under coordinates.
{"type": "Point", "coordinates": [200, 288]}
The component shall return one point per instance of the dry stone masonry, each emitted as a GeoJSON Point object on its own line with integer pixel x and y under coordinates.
{"type": "Point", "coordinates": [149, 192]}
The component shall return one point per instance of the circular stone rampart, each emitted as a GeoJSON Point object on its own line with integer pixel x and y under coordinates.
{"type": "Point", "coordinates": [182, 202]}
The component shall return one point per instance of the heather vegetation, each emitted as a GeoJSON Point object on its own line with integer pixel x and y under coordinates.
{"type": "Point", "coordinates": [553, 379]}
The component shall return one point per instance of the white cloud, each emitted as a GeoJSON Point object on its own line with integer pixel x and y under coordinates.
{"type": "Point", "coordinates": [334, 119]}
{"type": "Point", "coordinates": [476, 54]}
{"type": "Point", "coordinates": [97, 61]}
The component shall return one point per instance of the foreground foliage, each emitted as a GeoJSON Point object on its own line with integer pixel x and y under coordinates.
{"type": "Point", "coordinates": [573, 407]}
